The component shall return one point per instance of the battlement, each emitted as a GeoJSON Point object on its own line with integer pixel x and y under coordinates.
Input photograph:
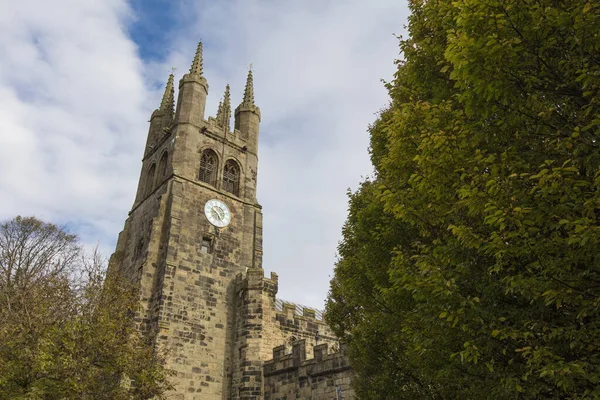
{"type": "Point", "coordinates": [287, 313]}
{"type": "Point", "coordinates": [214, 127]}
{"type": "Point", "coordinates": [263, 322]}
{"type": "Point", "coordinates": [233, 137]}
{"type": "Point", "coordinates": [326, 374]}
{"type": "Point", "coordinates": [255, 279]}
{"type": "Point", "coordinates": [322, 363]}
{"type": "Point", "coordinates": [302, 322]}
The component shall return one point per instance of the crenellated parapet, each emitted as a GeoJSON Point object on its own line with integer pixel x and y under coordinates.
{"type": "Point", "coordinates": [295, 376]}
{"type": "Point", "coordinates": [286, 321]}
{"type": "Point", "coordinates": [323, 362]}
{"type": "Point", "coordinates": [231, 136]}
{"type": "Point", "coordinates": [302, 322]}
{"type": "Point", "coordinates": [264, 322]}
{"type": "Point", "coordinates": [254, 279]}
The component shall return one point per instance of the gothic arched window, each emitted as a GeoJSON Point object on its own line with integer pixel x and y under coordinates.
{"type": "Point", "coordinates": [231, 177]}
{"type": "Point", "coordinates": [208, 167]}
{"type": "Point", "coordinates": [150, 179]}
{"type": "Point", "coordinates": [162, 165]}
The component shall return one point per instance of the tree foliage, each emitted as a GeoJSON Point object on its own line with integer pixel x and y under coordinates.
{"type": "Point", "coordinates": [66, 329]}
{"type": "Point", "coordinates": [469, 264]}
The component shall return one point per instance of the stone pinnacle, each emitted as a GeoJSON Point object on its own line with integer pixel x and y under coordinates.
{"type": "Point", "coordinates": [196, 68]}
{"type": "Point", "coordinates": [248, 100]}
{"type": "Point", "coordinates": [168, 101]}
{"type": "Point", "coordinates": [220, 112]}
{"type": "Point", "coordinates": [224, 111]}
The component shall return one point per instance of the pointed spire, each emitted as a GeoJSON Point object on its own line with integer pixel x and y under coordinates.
{"type": "Point", "coordinates": [196, 68]}
{"type": "Point", "coordinates": [249, 91]}
{"type": "Point", "coordinates": [224, 111]}
{"type": "Point", "coordinates": [168, 101]}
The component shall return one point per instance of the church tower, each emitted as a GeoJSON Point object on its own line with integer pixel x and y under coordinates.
{"type": "Point", "coordinates": [194, 225]}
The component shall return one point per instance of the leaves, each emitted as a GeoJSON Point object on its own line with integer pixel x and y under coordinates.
{"type": "Point", "coordinates": [66, 330]}
{"type": "Point", "coordinates": [470, 257]}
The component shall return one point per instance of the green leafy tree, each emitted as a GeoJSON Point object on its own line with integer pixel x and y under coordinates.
{"type": "Point", "coordinates": [66, 329]}
{"type": "Point", "coordinates": [469, 265]}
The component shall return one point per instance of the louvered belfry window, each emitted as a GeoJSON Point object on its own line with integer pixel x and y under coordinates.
{"type": "Point", "coordinates": [231, 177]}
{"type": "Point", "coordinates": [208, 167]}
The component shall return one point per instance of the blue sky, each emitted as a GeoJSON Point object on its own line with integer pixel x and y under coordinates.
{"type": "Point", "coordinates": [80, 78]}
{"type": "Point", "coordinates": [152, 26]}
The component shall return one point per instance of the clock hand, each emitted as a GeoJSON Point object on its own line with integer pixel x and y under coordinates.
{"type": "Point", "coordinates": [218, 213]}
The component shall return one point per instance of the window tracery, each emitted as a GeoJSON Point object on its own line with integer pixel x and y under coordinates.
{"type": "Point", "coordinates": [231, 177]}
{"type": "Point", "coordinates": [208, 167]}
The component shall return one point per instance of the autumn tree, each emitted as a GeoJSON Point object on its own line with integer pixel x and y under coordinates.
{"type": "Point", "coordinates": [66, 329]}
{"type": "Point", "coordinates": [469, 265]}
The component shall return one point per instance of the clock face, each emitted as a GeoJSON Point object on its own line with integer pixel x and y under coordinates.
{"type": "Point", "coordinates": [217, 213]}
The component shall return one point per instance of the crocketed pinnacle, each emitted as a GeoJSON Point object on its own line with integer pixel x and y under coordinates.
{"type": "Point", "coordinates": [227, 102]}
{"type": "Point", "coordinates": [224, 111]}
{"type": "Point", "coordinates": [248, 100]}
{"type": "Point", "coordinates": [168, 101]}
{"type": "Point", "coordinates": [196, 68]}
{"type": "Point", "coordinates": [220, 112]}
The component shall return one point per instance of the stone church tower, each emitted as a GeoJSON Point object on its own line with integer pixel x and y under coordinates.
{"type": "Point", "coordinates": [186, 265]}
{"type": "Point", "coordinates": [193, 245]}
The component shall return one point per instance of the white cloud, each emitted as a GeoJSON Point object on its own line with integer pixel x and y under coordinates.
{"type": "Point", "coordinates": [74, 108]}
{"type": "Point", "coordinates": [318, 69]}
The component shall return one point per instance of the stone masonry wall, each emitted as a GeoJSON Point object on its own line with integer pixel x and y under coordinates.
{"type": "Point", "coordinates": [140, 251]}
{"type": "Point", "coordinates": [197, 295]}
{"type": "Point", "coordinates": [260, 327]}
{"type": "Point", "coordinates": [292, 376]}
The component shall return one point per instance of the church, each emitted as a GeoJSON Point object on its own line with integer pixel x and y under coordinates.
{"type": "Point", "coordinates": [192, 244]}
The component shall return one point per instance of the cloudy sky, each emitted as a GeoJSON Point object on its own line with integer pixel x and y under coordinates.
{"type": "Point", "coordinates": [80, 78]}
